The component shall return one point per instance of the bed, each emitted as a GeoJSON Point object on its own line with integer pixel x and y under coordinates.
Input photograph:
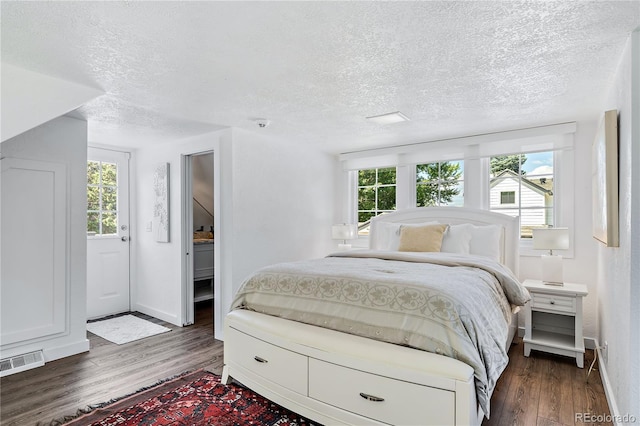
{"type": "Point", "coordinates": [389, 335]}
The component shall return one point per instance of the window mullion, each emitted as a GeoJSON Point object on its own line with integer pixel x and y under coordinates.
{"type": "Point", "coordinates": [100, 189]}
{"type": "Point", "coordinates": [405, 187]}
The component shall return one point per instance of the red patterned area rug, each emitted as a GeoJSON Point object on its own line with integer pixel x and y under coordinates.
{"type": "Point", "coordinates": [196, 398]}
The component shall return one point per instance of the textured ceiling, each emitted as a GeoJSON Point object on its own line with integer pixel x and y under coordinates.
{"type": "Point", "coordinates": [316, 69]}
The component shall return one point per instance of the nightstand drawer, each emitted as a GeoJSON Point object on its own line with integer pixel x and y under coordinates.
{"type": "Point", "coordinates": [552, 302]}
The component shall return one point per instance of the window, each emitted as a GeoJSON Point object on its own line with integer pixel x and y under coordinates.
{"type": "Point", "coordinates": [376, 194]}
{"type": "Point", "coordinates": [536, 184]}
{"type": "Point", "coordinates": [440, 184]}
{"type": "Point", "coordinates": [102, 190]}
{"type": "Point", "coordinates": [508, 197]}
{"type": "Point", "coordinates": [523, 185]}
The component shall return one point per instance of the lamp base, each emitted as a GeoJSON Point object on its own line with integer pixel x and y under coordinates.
{"type": "Point", "coordinates": [344, 246]}
{"type": "Point", "coordinates": [552, 270]}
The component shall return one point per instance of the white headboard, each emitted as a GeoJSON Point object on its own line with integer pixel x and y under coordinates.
{"type": "Point", "coordinates": [455, 216]}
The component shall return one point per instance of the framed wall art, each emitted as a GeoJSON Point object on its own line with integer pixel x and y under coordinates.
{"type": "Point", "coordinates": [161, 202]}
{"type": "Point", "coordinates": [604, 169]}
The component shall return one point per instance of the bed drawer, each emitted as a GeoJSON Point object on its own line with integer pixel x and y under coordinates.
{"type": "Point", "coordinates": [377, 397]}
{"type": "Point", "coordinates": [555, 303]}
{"type": "Point", "coordinates": [284, 367]}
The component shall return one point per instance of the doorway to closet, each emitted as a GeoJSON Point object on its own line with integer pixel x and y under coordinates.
{"type": "Point", "coordinates": [199, 208]}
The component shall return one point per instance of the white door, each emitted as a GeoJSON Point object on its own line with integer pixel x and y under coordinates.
{"type": "Point", "coordinates": [107, 232]}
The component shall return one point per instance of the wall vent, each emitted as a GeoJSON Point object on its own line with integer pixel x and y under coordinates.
{"type": "Point", "coordinates": [19, 363]}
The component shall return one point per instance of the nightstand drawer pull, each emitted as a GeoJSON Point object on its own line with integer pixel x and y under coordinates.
{"type": "Point", "coordinates": [371, 397]}
{"type": "Point", "coordinates": [262, 360]}
{"type": "Point", "coordinates": [554, 303]}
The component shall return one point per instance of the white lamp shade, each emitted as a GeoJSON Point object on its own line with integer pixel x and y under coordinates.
{"type": "Point", "coordinates": [551, 239]}
{"type": "Point", "coordinates": [344, 231]}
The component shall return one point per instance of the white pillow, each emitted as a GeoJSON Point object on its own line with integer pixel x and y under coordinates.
{"type": "Point", "coordinates": [388, 234]}
{"type": "Point", "coordinates": [486, 241]}
{"type": "Point", "coordinates": [457, 239]}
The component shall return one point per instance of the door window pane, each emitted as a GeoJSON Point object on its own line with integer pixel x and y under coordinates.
{"type": "Point", "coordinates": [109, 174]}
{"type": "Point", "coordinates": [102, 198]}
{"type": "Point", "coordinates": [93, 223]}
{"type": "Point", "coordinates": [109, 225]}
{"type": "Point", "coordinates": [93, 173]}
{"type": "Point", "coordinates": [109, 198]}
{"type": "Point", "coordinates": [93, 198]}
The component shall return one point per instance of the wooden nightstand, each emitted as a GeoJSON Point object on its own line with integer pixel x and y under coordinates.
{"type": "Point", "coordinates": [553, 319]}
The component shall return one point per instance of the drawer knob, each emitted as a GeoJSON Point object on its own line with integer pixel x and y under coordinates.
{"type": "Point", "coordinates": [371, 397]}
{"type": "Point", "coordinates": [552, 302]}
{"type": "Point", "coordinates": [262, 360]}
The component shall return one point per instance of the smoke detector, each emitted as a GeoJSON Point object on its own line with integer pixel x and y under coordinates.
{"type": "Point", "coordinates": [262, 122]}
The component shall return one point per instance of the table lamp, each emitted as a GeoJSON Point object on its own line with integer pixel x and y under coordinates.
{"type": "Point", "coordinates": [551, 239]}
{"type": "Point", "coordinates": [344, 232]}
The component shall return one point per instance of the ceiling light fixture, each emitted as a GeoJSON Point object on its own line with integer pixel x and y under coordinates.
{"type": "Point", "coordinates": [389, 118]}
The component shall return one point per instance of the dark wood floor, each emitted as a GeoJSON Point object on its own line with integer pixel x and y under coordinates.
{"type": "Point", "coordinates": [540, 390]}
{"type": "Point", "coordinates": [546, 390]}
{"type": "Point", "coordinates": [108, 371]}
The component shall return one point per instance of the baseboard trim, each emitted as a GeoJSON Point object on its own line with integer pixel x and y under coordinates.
{"type": "Point", "coordinates": [164, 316]}
{"type": "Point", "coordinates": [608, 390]}
{"type": "Point", "coordinates": [51, 354]}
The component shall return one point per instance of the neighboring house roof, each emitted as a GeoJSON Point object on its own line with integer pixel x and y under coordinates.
{"type": "Point", "coordinates": [545, 186]}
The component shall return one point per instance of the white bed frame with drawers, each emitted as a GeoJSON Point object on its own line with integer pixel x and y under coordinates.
{"type": "Point", "coordinates": [337, 378]}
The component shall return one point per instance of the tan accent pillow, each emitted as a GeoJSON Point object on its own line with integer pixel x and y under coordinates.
{"type": "Point", "coordinates": [422, 238]}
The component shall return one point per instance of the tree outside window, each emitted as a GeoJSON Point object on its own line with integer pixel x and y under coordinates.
{"type": "Point", "coordinates": [439, 184]}
{"type": "Point", "coordinates": [102, 192]}
{"type": "Point", "coordinates": [376, 195]}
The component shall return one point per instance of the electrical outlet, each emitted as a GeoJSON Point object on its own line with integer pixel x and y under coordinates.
{"type": "Point", "coordinates": [605, 352]}
{"type": "Point", "coordinates": [150, 226]}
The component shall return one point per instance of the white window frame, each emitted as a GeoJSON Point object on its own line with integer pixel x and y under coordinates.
{"type": "Point", "coordinates": [563, 212]}
{"type": "Point", "coordinates": [376, 186]}
{"type": "Point", "coordinates": [475, 151]}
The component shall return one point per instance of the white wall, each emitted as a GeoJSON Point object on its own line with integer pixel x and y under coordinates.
{"type": "Point", "coordinates": [275, 203]}
{"type": "Point", "coordinates": [283, 203]}
{"type": "Point", "coordinates": [157, 272]}
{"type": "Point", "coordinates": [618, 277]}
{"type": "Point", "coordinates": [62, 140]}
